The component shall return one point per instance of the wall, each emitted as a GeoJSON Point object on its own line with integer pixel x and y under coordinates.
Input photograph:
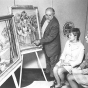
{"type": "Point", "coordinates": [4, 6]}
{"type": "Point", "coordinates": [31, 61]}
{"type": "Point", "coordinates": [71, 10]}
{"type": "Point", "coordinates": [86, 31]}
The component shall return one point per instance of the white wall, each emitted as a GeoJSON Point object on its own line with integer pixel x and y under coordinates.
{"type": "Point", "coordinates": [4, 6]}
{"type": "Point", "coordinates": [31, 61]}
{"type": "Point", "coordinates": [86, 31]}
{"type": "Point", "coordinates": [71, 10]}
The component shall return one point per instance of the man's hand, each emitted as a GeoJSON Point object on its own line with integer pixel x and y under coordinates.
{"type": "Point", "coordinates": [37, 42]}
{"type": "Point", "coordinates": [79, 68]}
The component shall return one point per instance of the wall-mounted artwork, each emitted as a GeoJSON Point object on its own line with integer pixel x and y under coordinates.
{"type": "Point", "coordinates": [9, 47]}
{"type": "Point", "coordinates": [26, 21]}
{"type": "Point", "coordinates": [67, 26]}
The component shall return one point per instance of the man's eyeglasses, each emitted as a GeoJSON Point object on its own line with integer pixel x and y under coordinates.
{"type": "Point", "coordinates": [48, 15]}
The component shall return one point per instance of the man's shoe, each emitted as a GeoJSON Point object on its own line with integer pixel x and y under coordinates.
{"type": "Point", "coordinates": [51, 75]}
{"type": "Point", "coordinates": [47, 71]}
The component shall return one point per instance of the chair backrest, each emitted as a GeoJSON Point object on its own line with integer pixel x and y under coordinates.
{"type": "Point", "coordinates": [85, 86]}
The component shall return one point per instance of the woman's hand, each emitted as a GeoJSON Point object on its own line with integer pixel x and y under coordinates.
{"type": "Point", "coordinates": [85, 71]}
{"type": "Point", "coordinates": [66, 64]}
{"type": "Point", "coordinates": [70, 71]}
{"type": "Point", "coordinates": [61, 62]}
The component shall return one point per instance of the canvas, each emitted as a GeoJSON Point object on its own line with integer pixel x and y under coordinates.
{"type": "Point", "coordinates": [9, 48]}
{"type": "Point", "coordinates": [26, 20]}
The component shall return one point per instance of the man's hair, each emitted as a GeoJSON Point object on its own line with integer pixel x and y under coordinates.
{"type": "Point", "coordinates": [76, 32]}
{"type": "Point", "coordinates": [50, 8]}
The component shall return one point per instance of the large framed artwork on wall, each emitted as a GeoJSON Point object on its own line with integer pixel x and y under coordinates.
{"type": "Point", "coordinates": [27, 25]}
{"type": "Point", "coordinates": [10, 56]}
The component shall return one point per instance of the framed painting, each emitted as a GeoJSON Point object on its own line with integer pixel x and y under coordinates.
{"type": "Point", "coordinates": [26, 20]}
{"type": "Point", "coordinates": [67, 26]}
{"type": "Point", "coordinates": [9, 47]}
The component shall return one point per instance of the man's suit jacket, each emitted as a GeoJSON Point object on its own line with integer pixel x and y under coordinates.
{"type": "Point", "coordinates": [51, 38]}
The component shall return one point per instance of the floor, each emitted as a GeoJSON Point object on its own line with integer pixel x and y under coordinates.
{"type": "Point", "coordinates": [42, 84]}
{"type": "Point", "coordinates": [34, 78]}
{"type": "Point", "coordinates": [9, 83]}
{"type": "Point", "coordinates": [39, 84]}
{"type": "Point", "coordinates": [31, 78]}
{"type": "Point", "coordinates": [31, 75]}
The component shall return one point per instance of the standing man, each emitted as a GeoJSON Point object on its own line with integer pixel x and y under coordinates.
{"type": "Point", "coordinates": [50, 39]}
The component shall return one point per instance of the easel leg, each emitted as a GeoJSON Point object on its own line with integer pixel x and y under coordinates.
{"type": "Point", "coordinates": [20, 72]}
{"type": "Point", "coordinates": [41, 66]}
{"type": "Point", "coordinates": [15, 80]}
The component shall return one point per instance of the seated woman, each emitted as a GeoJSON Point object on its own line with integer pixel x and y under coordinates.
{"type": "Point", "coordinates": [80, 75]}
{"type": "Point", "coordinates": [72, 56]}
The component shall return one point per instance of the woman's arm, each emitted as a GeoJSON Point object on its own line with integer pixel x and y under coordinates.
{"type": "Point", "coordinates": [79, 58]}
{"type": "Point", "coordinates": [62, 57]}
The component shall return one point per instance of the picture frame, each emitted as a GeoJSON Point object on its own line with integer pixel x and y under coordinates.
{"type": "Point", "coordinates": [26, 20]}
{"type": "Point", "coordinates": [10, 56]}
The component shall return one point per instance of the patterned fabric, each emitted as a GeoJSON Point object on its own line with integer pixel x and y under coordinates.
{"type": "Point", "coordinates": [80, 77]}
{"type": "Point", "coordinates": [84, 64]}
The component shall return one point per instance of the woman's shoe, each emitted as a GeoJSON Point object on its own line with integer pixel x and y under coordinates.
{"type": "Point", "coordinates": [62, 83]}
{"type": "Point", "coordinates": [53, 86]}
{"type": "Point", "coordinates": [55, 82]}
{"type": "Point", "coordinates": [58, 86]}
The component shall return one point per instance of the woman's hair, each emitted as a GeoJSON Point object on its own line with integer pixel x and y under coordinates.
{"type": "Point", "coordinates": [76, 32]}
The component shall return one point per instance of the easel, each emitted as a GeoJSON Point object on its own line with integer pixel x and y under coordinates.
{"type": "Point", "coordinates": [35, 50]}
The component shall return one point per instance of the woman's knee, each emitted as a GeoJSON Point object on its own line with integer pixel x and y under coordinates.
{"type": "Point", "coordinates": [61, 70]}
{"type": "Point", "coordinates": [69, 77]}
{"type": "Point", "coordinates": [55, 69]}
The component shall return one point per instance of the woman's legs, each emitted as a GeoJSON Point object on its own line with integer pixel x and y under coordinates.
{"type": "Point", "coordinates": [72, 81]}
{"type": "Point", "coordinates": [59, 74]}
{"type": "Point", "coordinates": [55, 72]}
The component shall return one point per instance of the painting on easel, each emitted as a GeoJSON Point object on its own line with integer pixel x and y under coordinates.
{"type": "Point", "coordinates": [26, 21]}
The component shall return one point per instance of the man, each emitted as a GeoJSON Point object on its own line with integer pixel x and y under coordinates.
{"type": "Point", "coordinates": [50, 39]}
